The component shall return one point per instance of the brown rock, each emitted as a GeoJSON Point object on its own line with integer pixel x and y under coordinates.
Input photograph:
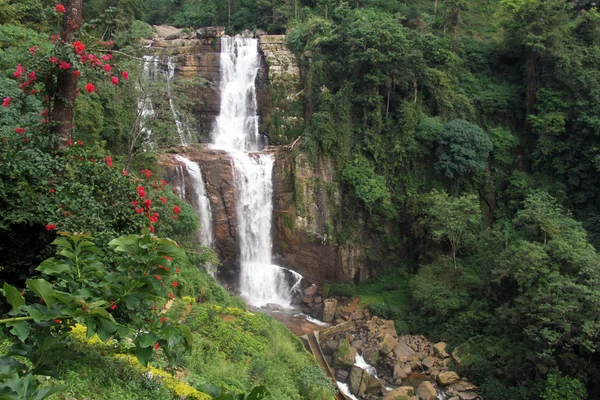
{"type": "Point", "coordinates": [426, 391]}
{"type": "Point", "coordinates": [403, 352]}
{"type": "Point", "coordinates": [447, 378]}
{"type": "Point", "coordinates": [311, 290]}
{"type": "Point", "coordinates": [428, 362]}
{"type": "Point", "coordinates": [468, 395]}
{"type": "Point", "coordinates": [440, 350]}
{"type": "Point", "coordinates": [401, 393]}
{"type": "Point", "coordinates": [399, 372]}
{"type": "Point", "coordinates": [329, 307]}
{"type": "Point", "coordinates": [462, 386]}
{"type": "Point", "coordinates": [387, 344]}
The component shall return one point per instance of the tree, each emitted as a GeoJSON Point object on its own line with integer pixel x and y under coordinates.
{"type": "Point", "coordinates": [64, 99]}
{"type": "Point", "coordinates": [463, 149]}
{"type": "Point", "coordinates": [452, 220]}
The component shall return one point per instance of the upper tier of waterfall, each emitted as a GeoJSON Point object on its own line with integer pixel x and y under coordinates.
{"type": "Point", "coordinates": [236, 126]}
{"type": "Point", "coordinates": [236, 131]}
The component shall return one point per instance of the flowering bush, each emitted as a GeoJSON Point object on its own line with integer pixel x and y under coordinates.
{"type": "Point", "coordinates": [81, 285]}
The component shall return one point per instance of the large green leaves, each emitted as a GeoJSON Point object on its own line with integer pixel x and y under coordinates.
{"type": "Point", "coordinates": [13, 296]}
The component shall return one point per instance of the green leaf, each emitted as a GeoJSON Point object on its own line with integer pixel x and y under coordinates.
{"type": "Point", "coordinates": [106, 328]}
{"type": "Point", "coordinates": [225, 396]}
{"type": "Point", "coordinates": [63, 243]}
{"type": "Point", "coordinates": [187, 333]}
{"type": "Point", "coordinates": [67, 253]}
{"type": "Point", "coordinates": [20, 329]}
{"type": "Point", "coordinates": [42, 288]}
{"type": "Point", "coordinates": [63, 297]}
{"type": "Point", "coordinates": [147, 339]}
{"type": "Point", "coordinates": [13, 295]}
{"type": "Point", "coordinates": [258, 393]}
{"type": "Point", "coordinates": [210, 389]}
{"type": "Point", "coordinates": [9, 366]}
{"type": "Point", "coordinates": [123, 331]}
{"type": "Point", "coordinates": [103, 313]}
{"type": "Point", "coordinates": [46, 392]}
{"type": "Point", "coordinates": [144, 354]}
{"type": "Point", "coordinates": [52, 266]}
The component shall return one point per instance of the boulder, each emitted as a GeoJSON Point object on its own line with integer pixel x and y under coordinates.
{"type": "Point", "coordinates": [357, 344]}
{"type": "Point", "coordinates": [248, 34]}
{"type": "Point", "coordinates": [426, 391]}
{"type": "Point", "coordinates": [344, 354]}
{"type": "Point", "coordinates": [468, 396]}
{"type": "Point", "coordinates": [447, 378]}
{"type": "Point", "coordinates": [329, 346]}
{"type": "Point", "coordinates": [387, 344]}
{"type": "Point", "coordinates": [259, 32]}
{"type": "Point", "coordinates": [399, 372]}
{"type": "Point", "coordinates": [210, 32]}
{"type": "Point", "coordinates": [403, 352]}
{"type": "Point", "coordinates": [428, 362]}
{"type": "Point", "coordinates": [341, 375]}
{"type": "Point", "coordinates": [356, 383]}
{"type": "Point", "coordinates": [318, 299]}
{"type": "Point", "coordinates": [311, 290]}
{"type": "Point", "coordinates": [329, 307]}
{"type": "Point", "coordinates": [407, 369]}
{"type": "Point", "coordinates": [440, 350]}
{"type": "Point", "coordinates": [462, 386]}
{"type": "Point", "coordinates": [401, 393]}
{"type": "Point", "coordinates": [273, 307]}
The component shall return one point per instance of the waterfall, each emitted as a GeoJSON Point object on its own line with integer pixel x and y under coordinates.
{"type": "Point", "coordinates": [200, 201]}
{"type": "Point", "coordinates": [181, 181]}
{"type": "Point", "coordinates": [154, 71]}
{"type": "Point", "coordinates": [236, 131]}
{"type": "Point", "coordinates": [184, 138]}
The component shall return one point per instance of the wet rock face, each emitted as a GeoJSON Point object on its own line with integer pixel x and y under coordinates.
{"type": "Point", "coordinates": [217, 171]}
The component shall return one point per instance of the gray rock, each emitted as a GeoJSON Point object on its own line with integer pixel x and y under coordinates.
{"type": "Point", "coordinates": [311, 290]}
{"type": "Point", "coordinates": [428, 362]}
{"type": "Point", "coordinates": [329, 307]}
{"type": "Point", "coordinates": [403, 352]}
{"type": "Point", "coordinates": [468, 395]}
{"type": "Point", "coordinates": [248, 34]}
{"type": "Point", "coordinates": [387, 344]}
{"type": "Point", "coordinates": [210, 32]}
{"type": "Point", "coordinates": [341, 375]}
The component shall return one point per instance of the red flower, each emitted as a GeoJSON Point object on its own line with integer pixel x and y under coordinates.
{"type": "Point", "coordinates": [45, 113]}
{"type": "Point", "coordinates": [52, 191]}
{"type": "Point", "coordinates": [175, 284]}
{"type": "Point", "coordinates": [53, 60]}
{"type": "Point", "coordinates": [57, 321]}
{"type": "Point", "coordinates": [93, 160]}
{"type": "Point", "coordinates": [163, 182]}
{"type": "Point", "coordinates": [163, 200]}
{"type": "Point", "coordinates": [19, 72]}
{"type": "Point", "coordinates": [77, 73]}
{"type": "Point", "coordinates": [134, 203]}
{"type": "Point", "coordinates": [125, 75]}
{"type": "Point", "coordinates": [80, 143]}
{"type": "Point", "coordinates": [33, 49]}
{"type": "Point", "coordinates": [60, 9]}
{"type": "Point", "coordinates": [151, 229]}
{"type": "Point", "coordinates": [90, 88]}
{"type": "Point", "coordinates": [6, 101]}
{"type": "Point", "coordinates": [176, 209]}
{"type": "Point", "coordinates": [139, 210]}
{"type": "Point", "coordinates": [79, 47]}
{"type": "Point", "coordinates": [50, 227]}
{"type": "Point", "coordinates": [163, 320]}
{"type": "Point", "coordinates": [113, 307]}
{"type": "Point", "coordinates": [147, 203]}
{"type": "Point", "coordinates": [114, 80]}
{"type": "Point", "coordinates": [107, 68]}
{"type": "Point", "coordinates": [20, 131]}
{"type": "Point", "coordinates": [171, 296]}
{"type": "Point", "coordinates": [156, 346]}
{"type": "Point", "coordinates": [177, 270]}
{"type": "Point", "coordinates": [169, 258]}
{"type": "Point", "coordinates": [108, 160]}
{"type": "Point", "coordinates": [64, 65]}
{"type": "Point", "coordinates": [154, 307]}
{"type": "Point", "coordinates": [107, 57]}
{"type": "Point", "coordinates": [125, 172]}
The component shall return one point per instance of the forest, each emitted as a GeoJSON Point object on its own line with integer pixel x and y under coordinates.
{"type": "Point", "coordinates": [467, 133]}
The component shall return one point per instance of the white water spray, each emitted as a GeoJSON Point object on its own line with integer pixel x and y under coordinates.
{"type": "Point", "coordinates": [184, 134]}
{"type": "Point", "coordinates": [200, 201]}
{"type": "Point", "coordinates": [236, 131]}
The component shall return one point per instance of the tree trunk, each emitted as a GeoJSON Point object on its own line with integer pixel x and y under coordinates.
{"type": "Point", "coordinates": [229, 13]}
{"type": "Point", "coordinates": [533, 75]}
{"type": "Point", "coordinates": [64, 98]}
{"type": "Point", "coordinates": [435, 5]}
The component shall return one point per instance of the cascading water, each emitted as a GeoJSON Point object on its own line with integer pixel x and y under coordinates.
{"type": "Point", "coordinates": [236, 131]}
{"type": "Point", "coordinates": [184, 138]}
{"type": "Point", "coordinates": [200, 201]}
{"type": "Point", "coordinates": [153, 71]}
